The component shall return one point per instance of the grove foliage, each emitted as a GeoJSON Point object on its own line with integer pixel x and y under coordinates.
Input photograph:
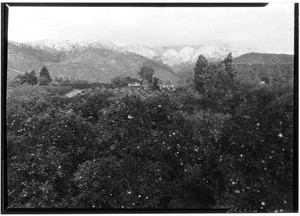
{"type": "Point", "coordinates": [228, 147]}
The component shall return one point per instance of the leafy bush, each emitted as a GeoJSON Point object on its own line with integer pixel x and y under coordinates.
{"type": "Point", "coordinates": [256, 151]}
{"type": "Point", "coordinates": [182, 149]}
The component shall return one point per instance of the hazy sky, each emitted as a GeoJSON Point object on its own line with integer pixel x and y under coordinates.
{"type": "Point", "coordinates": [269, 28]}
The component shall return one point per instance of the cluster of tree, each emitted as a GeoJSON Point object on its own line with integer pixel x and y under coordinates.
{"type": "Point", "coordinates": [213, 78]}
{"type": "Point", "coordinates": [44, 77]}
{"type": "Point", "coordinates": [224, 146]}
{"type": "Point", "coordinates": [146, 78]}
{"type": "Point", "coordinates": [272, 74]}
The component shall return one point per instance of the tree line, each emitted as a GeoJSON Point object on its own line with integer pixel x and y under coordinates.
{"type": "Point", "coordinates": [44, 77]}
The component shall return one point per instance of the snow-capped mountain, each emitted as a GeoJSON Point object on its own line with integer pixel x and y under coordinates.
{"type": "Point", "coordinates": [103, 60]}
{"type": "Point", "coordinates": [217, 50]}
{"type": "Point", "coordinates": [52, 45]}
{"type": "Point", "coordinates": [105, 45]}
{"type": "Point", "coordinates": [94, 61]}
{"type": "Point", "coordinates": [68, 45]}
{"type": "Point", "coordinates": [176, 55]}
{"type": "Point", "coordinates": [186, 54]}
{"type": "Point", "coordinates": [171, 56]}
{"type": "Point", "coordinates": [141, 50]}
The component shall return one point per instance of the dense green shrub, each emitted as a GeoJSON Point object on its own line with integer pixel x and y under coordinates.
{"type": "Point", "coordinates": [102, 149]}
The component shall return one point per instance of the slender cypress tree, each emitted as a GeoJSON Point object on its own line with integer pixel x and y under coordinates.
{"type": "Point", "coordinates": [45, 77]}
{"type": "Point", "coordinates": [201, 73]}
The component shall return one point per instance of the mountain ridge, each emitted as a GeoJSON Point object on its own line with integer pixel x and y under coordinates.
{"type": "Point", "coordinates": [264, 58]}
{"type": "Point", "coordinates": [96, 62]}
{"type": "Point", "coordinates": [101, 61]}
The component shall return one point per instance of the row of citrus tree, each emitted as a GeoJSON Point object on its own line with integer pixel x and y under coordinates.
{"type": "Point", "coordinates": [231, 148]}
{"type": "Point", "coordinates": [225, 145]}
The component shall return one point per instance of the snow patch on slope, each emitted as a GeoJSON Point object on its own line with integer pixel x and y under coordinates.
{"type": "Point", "coordinates": [140, 50]}
{"type": "Point", "coordinates": [68, 45]}
{"type": "Point", "coordinates": [217, 50]}
{"type": "Point", "coordinates": [170, 57]}
{"type": "Point", "coordinates": [186, 54]}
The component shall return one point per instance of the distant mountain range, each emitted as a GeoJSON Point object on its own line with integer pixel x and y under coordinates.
{"type": "Point", "coordinates": [101, 61]}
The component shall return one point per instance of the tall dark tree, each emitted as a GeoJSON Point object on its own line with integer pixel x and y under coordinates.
{"type": "Point", "coordinates": [146, 73]}
{"type": "Point", "coordinates": [201, 73]}
{"type": "Point", "coordinates": [45, 77]}
{"type": "Point", "coordinates": [155, 83]}
{"type": "Point", "coordinates": [229, 66]}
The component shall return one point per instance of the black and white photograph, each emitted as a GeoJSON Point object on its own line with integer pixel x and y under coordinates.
{"type": "Point", "coordinates": [149, 107]}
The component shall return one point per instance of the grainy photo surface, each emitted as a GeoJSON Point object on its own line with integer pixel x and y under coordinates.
{"type": "Point", "coordinates": [150, 108]}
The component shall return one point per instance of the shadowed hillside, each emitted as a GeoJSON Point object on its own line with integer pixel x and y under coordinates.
{"type": "Point", "coordinates": [90, 63]}
{"type": "Point", "coordinates": [260, 58]}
